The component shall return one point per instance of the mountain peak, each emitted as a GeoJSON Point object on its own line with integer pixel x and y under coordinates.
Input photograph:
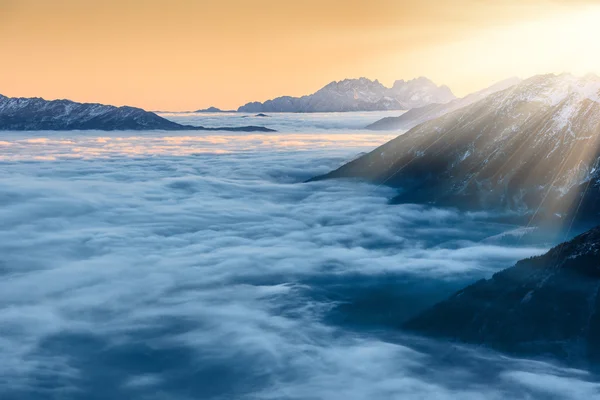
{"type": "Point", "coordinates": [421, 80]}
{"type": "Point", "coordinates": [423, 89]}
{"type": "Point", "coordinates": [355, 81]}
{"type": "Point", "coordinates": [359, 94]}
{"type": "Point", "coordinates": [552, 89]}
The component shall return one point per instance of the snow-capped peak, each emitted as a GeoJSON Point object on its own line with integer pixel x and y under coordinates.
{"type": "Point", "coordinates": [361, 94]}
{"type": "Point", "coordinates": [554, 89]}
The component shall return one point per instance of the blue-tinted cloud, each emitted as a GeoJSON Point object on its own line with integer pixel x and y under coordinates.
{"type": "Point", "coordinates": [163, 273]}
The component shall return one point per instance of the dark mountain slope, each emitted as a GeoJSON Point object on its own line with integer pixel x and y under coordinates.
{"type": "Point", "coordinates": [547, 305]}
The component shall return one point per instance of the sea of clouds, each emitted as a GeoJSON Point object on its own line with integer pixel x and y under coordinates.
{"type": "Point", "coordinates": [287, 122]}
{"type": "Point", "coordinates": [158, 266]}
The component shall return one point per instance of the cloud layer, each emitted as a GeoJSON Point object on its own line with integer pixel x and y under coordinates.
{"type": "Point", "coordinates": [171, 273]}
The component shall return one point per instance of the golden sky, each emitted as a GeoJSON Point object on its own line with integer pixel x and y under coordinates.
{"type": "Point", "coordinates": [185, 54]}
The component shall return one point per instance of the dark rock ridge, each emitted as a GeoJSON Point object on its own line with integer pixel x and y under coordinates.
{"type": "Point", "coordinates": [533, 148]}
{"type": "Point", "coordinates": [359, 95]}
{"type": "Point", "coordinates": [543, 306]}
{"type": "Point", "coordinates": [259, 115]}
{"type": "Point", "coordinates": [419, 115]}
{"type": "Point", "coordinates": [34, 114]}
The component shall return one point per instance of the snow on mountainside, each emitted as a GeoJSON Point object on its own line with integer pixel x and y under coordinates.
{"type": "Point", "coordinates": [420, 92]}
{"type": "Point", "coordinates": [359, 95]}
{"type": "Point", "coordinates": [534, 145]}
{"type": "Point", "coordinates": [29, 114]}
{"type": "Point", "coordinates": [552, 90]}
{"type": "Point", "coordinates": [37, 113]}
{"type": "Point", "coordinates": [419, 115]}
{"type": "Point", "coordinates": [547, 305]}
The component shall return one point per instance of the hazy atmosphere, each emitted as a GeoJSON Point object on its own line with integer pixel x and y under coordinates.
{"type": "Point", "coordinates": [186, 55]}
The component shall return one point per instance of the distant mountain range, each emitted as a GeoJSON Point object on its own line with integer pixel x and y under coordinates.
{"type": "Point", "coordinates": [547, 305]}
{"type": "Point", "coordinates": [419, 115]}
{"type": "Point", "coordinates": [532, 148]}
{"type": "Point", "coordinates": [359, 95]}
{"type": "Point", "coordinates": [32, 114]}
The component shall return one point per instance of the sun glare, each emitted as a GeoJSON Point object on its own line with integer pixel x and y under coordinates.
{"type": "Point", "coordinates": [568, 41]}
{"type": "Point", "coordinates": [565, 42]}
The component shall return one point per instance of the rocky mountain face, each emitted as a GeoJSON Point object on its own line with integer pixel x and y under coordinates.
{"type": "Point", "coordinates": [359, 95]}
{"type": "Point", "coordinates": [32, 114]}
{"type": "Point", "coordinates": [533, 148]}
{"type": "Point", "coordinates": [420, 92]}
{"type": "Point", "coordinates": [419, 115]}
{"type": "Point", "coordinates": [547, 305]}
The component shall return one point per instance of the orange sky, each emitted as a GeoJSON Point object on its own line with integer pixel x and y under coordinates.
{"type": "Point", "coordinates": [185, 55]}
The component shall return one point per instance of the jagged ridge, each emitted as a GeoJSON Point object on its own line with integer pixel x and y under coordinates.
{"type": "Point", "coordinates": [359, 95]}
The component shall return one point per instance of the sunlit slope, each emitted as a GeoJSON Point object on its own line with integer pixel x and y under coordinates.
{"type": "Point", "coordinates": [533, 147]}
{"type": "Point", "coordinates": [417, 116]}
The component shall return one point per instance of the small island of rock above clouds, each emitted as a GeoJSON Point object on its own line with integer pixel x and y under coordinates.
{"type": "Point", "coordinates": [213, 110]}
{"type": "Point", "coordinates": [34, 114]}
